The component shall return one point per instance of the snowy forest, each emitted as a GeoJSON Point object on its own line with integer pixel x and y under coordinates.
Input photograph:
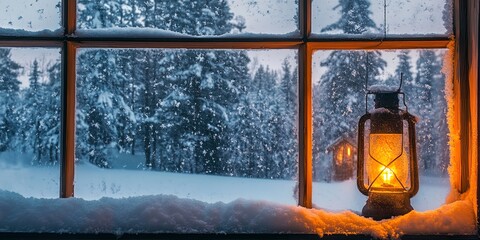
{"type": "Point", "coordinates": [207, 111]}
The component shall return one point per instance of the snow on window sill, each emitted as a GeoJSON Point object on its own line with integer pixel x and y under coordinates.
{"type": "Point", "coordinates": [168, 214]}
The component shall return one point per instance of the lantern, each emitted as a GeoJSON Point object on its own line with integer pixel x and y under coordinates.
{"type": "Point", "coordinates": [387, 170]}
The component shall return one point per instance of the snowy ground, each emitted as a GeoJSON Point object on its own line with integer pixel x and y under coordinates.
{"type": "Point", "coordinates": [92, 183]}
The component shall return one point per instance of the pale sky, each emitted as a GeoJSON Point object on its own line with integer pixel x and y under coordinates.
{"type": "Point", "coordinates": [26, 56]}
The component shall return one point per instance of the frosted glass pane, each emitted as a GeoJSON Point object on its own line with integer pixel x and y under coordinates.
{"type": "Point", "coordinates": [366, 18]}
{"type": "Point", "coordinates": [187, 18]}
{"type": "Point", "coordinates": [30, 17]}
{"type": "Point", "coordinates": [338, 104]}
{"type": "Point", "coordinates": [201, 124]}
{"type": "Point", "coordinates": [30, 83]}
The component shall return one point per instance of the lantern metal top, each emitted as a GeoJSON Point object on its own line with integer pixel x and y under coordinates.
{"type": "Point", "coordinates": [385, 97]}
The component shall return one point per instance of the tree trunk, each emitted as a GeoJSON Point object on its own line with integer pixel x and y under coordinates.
{"type": "Point", "coordinates": [36, 143]}
{"type": "Point", "coordinates": [147, 147]}
{"type": "Point", "coordinates": [154, 147]}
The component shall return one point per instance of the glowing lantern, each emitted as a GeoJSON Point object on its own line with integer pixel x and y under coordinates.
{"type": "Point", "coordinates": [387, 169]}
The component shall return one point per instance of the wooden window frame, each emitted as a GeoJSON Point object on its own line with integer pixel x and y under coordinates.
{"type": "Point", "coordinates": [304, 44]}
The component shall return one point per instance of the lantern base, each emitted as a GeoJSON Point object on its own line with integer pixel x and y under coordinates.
{"type": "Point", "coordinates": [384, 205]}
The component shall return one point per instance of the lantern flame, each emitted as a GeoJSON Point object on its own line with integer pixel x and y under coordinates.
{"type": "Point", "coordinates": [387, 176]}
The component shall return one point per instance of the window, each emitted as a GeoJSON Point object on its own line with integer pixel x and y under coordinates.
{"type": "Point", "coordinates": [31, 18]}
{"type": "Point", "coordinates": [216, 101]}
{"type": "Point", "coordinates": [187, 115]}
{"type": "Point", "coordinates": [31, 121]}
{"type": "Point", "coordinates": [400, 19]}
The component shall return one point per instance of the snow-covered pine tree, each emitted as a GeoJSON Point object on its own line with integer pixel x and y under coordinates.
{"type": "Point", "coordinates": [254, 129]}
{"type": "Point", "coordinates": [9, 89]}
{"type": "Point", "coordinates": [24, 133]}
{"type": "Point", "coordinates": [128, 89]}
{"type": "Point", "coordinates": [51, 116]}
{"type": "Point", "coordinates": [32, 108]}
{"type": "Point", "coordinates": [339, 95]}
{"type": "Point", "coordinates": [99, 14]}
{"type": "Point", "coordinates": [212, 79]}
{"type": "Point", "coordinates": [127, 16]}
{"type": "Point", "coordinates": [270, 129]}
{"type": "Point", "coordinates": [176, 140]}
{"type": "Point", "coordinates": [204, 133]}
{"type": "Point", "coordinates": [122, 13]}
{"type": "Point", "coordinates": [354, 17]}
{"type": "Point", "coordinates": [39, 128]}
{"type": "Point", "coordinates": [428, 71]}
{"type": "Point", "coordinates": [241, 131]}
{"type": "Point", "coordinates": [153, 90]}
{"type": "Point", "coordinates": [214, 86]}
{"type": "Point", "coordinates": [100, 102]}
{"type": "Point", "coordinates": [202, 101]}
{"type": "Point", "coordinates": [285, 115]}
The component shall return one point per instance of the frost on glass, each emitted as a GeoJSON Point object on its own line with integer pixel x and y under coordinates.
{"type": "Point", "coordinates": [201, 124]}
{"type": "Point", "coordinates": [30, 121]}
{"type": "Point", "coordinates": [366, 18]}
{"type": "Point", "coordinates": [187, 17]}
{"type": "Point", "coordinates": [30, 17]}
{"type": "Point", "coordinates": [339, 79]}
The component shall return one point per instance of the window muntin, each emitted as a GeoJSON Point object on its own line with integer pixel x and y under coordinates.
{"type": "Point", "coordinates": [424, 18]}
{"type": "Point", "coordinates": [337, 109]}
{"type": "Point", "coordinates": [30, 121]}
{"type": "Point", "coordinates": [30, 17]}
{"type": "Point", "coordinates": [230, 18]}
{"type": "Point", "coordinates": [165, 113]}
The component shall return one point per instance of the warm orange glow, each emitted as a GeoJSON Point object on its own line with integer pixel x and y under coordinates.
{"type": "Point", "coordinates": [348, 151]}
{"type": "Point", "coordinates": [387, 176]}
{"type": "Point", "coordinates": [384, 172]}
{"type": "Point", "coordinates": [339, 157]}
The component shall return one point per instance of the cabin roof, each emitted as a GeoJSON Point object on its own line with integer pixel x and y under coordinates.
{"type": "Point", "coordinates": [341, 140]}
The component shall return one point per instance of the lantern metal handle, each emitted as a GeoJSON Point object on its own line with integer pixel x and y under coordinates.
{"type": "Point", "coordinates": [411, 120]}
{"type": "Point", "coordinates": [361, 154]}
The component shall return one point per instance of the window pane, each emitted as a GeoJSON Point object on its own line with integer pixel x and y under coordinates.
{"type": "Point", "coordinates": [366, 18]}
{"type": "Point", "coordinates": [150, 18]}
{"type": "Point", "coordinates": [30, 17]}
{"type": "Point", "coordinates": [201, 124]}
{"type": "Point", "coordinates": [339, 102]}
{"type": "Point", "coordinates": [30, 121]}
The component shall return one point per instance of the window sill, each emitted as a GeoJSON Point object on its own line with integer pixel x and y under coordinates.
{"type": "Point", "coordinates": [212, 236]}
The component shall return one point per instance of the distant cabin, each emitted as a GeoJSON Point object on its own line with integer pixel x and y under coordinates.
{"type": "Point", "coordinates": [344, 158]}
